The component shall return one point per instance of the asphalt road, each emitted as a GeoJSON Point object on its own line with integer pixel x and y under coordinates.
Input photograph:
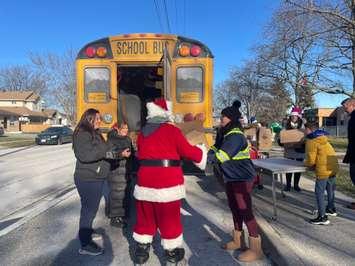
{"type": "Point", "coordinates": [40, 213]}
{"type": "Point", "coordinates": [30, 177]}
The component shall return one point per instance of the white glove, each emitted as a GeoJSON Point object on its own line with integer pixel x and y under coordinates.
{"type": "Point", "coordinates": [202, 163]}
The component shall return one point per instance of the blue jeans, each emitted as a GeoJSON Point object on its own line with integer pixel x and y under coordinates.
{"type": "Point", "coordinates": [321, 186]}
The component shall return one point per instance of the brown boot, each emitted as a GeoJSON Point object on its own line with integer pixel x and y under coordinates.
{"type": "Point", "coordinates": [238, 241]}
{"type": "Point", "coordinates": [254, 252]}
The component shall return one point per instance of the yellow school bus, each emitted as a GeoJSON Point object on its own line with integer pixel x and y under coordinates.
{"type": "Point", "coordinates": [117, 75]}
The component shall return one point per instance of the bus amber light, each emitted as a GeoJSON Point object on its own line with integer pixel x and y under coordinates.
{"type": "Point", "coordinates": [101, 51]}
{"type": "Point", "coordinates": [200, 117]}
{"type": "Point", "coordinates": [184, 50]}
{"type": "Point", "coordinates": [90, 51]}
{"type": "Point", "coordinates": [195, 50]}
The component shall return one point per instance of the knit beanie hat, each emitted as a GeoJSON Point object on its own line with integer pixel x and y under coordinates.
{"type": "Point", "coordinates": [232, 113]}
{"type": "Point", "coordinates": [237, 104]}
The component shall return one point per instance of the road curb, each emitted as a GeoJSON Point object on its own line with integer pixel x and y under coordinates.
{"type": "Point", "coordinates": [273, 245]}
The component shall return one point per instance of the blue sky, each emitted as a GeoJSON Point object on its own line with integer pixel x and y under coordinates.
{"type": "Point", "coordinates": [228, 27]}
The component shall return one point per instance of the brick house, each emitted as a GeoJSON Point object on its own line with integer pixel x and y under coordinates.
{"type": "Point", "coordinates": [327, 116]}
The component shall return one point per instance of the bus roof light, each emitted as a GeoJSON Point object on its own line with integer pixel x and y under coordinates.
{"type": "Point", "coordinates": [195, 50]}
{"type": "Point", "coordinates": [184, 50]}
{"type": "Point", "coordinates": [101, 51]}
{"type": "Point", "coordinates": [90, 51]}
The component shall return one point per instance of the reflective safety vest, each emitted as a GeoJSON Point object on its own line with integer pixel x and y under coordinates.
{"type": "Point", "coordinates": [222, 156]}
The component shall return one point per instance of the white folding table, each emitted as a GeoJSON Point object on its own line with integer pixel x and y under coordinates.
{"type": "Point", "coordinates": [278, 167]}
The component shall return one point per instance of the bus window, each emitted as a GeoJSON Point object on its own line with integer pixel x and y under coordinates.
{"type": "Point", "coordinates": [189, 84]}
{"type": "Point", "coordinates": [97, 84]}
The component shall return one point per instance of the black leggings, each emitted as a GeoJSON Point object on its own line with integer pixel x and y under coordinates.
{"type": "Point", "coordinates": [297, 177]}
{"type": "Point", "coordinates": [90, 195]}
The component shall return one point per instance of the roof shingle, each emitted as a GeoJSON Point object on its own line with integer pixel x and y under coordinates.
{"type": "Point", "coordinates": [19, 96]}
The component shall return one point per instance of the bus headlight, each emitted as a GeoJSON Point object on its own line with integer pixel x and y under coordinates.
{"type": "Point", "coordinates": [107, 118]}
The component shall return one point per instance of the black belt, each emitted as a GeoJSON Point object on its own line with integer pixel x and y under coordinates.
{"type": "Point", "coordinates": [160, 163]}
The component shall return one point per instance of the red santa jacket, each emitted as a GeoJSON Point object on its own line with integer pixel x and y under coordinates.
{"type": "Point", "coordinates": [164, 184]}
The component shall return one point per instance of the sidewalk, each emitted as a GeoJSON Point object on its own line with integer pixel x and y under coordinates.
{"type": "Point", "coordinates": [292, 240]}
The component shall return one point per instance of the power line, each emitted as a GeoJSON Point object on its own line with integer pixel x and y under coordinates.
{"type": "Point", "coordinates": [176, 17]}
{"type": "Point", "coordinates": [184, 17]}
{"type": "Point", "coordinates": [167, 16]}
{"type": "Point", "coordinates": [158, 15]}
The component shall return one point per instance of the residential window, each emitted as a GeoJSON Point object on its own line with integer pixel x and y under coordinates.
{"type": "Point", "coordinates": [12, 121]}
{"type": "Point", "coordinates": [13, 102]}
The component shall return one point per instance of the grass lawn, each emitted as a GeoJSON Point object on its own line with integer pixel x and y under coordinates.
{"type": "Point", "coordinates": [343, 181]}
{"type": "Point", "coordinates": [16, 140]}
{"type": "Point", "coordinates": [339, 144]}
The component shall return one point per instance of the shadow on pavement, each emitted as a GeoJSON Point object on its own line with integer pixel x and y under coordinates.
{"type": "Point", "coordinates": [204, 239]}
{"type": "Point", "coordinates": [69, 255]}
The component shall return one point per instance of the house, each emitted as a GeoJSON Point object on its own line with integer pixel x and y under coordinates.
{"type": "Point", "coordinates": [54, 117]}
{"type": "Point", "coordinates": [18, 109]}
{"type": "Point", "coordinates": [327, 117]}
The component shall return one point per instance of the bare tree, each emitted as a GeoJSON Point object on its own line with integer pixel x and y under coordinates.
{"type": "Point", "coordinates": [299, 65]}
{"type": "Point", "coordinates": [337, 34]}
{"type": "Point", "coordinates": [22, 78]}
{"type": "Point", "coordinates": [262, 97]}
{"type": "Point", "coordinates": [276, 103]}
{"type": "Point", "coordinates": [60, 72]}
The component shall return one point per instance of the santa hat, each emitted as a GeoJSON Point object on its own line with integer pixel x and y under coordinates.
{"type": "Point", "coordinates": [296, 111]}
{"type": "Point", "coordinates": [160, 107]}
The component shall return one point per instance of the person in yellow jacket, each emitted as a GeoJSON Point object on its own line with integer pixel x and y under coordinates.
{"type": "Point", "coordinates": [321, 157]}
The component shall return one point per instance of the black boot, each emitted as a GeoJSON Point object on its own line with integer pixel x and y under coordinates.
{"type": "Point", "coordinates": [141, 254]}
{"type": "Point", "coordinates": [118, 222]}
{"type": "Point", "coordinates": [175, 255]}
{"type": "Point", "coordinates": [296, 181]}
{"type": "Point", "coordinates": [85, 236]}
{"type": "Point", "coordinates": [288, 182]}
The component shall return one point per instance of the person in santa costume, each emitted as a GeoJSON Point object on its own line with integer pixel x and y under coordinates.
{"type": "Point", "coordinates": [160, 183]}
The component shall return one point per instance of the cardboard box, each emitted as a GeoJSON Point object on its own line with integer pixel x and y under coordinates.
{"type": "Point", "coordinates": [265, 139]}
{"type": "Point", "coordinates": [187, 127]}
{"type": "Point", "coordinates": [251, 133]}
{"type": "Point", "coordinates": [291, 136]}
{"type": "Point", "coordinates": [194, 132]}
{"type": "Point", "coordinates": [196, 137]}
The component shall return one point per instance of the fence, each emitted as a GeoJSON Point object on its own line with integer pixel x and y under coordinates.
{"type": "Point", "coordinates": [337, 131]}
{"type": "Point", "coordinates": [33, 128]}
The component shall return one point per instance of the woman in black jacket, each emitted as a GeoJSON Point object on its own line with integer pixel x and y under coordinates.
{"type": "Point", "coordinates": [294, 152]}
{"type": "Point", "coordinates": [92, 168]}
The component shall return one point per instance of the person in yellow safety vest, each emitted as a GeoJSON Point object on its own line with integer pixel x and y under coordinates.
{"type": "Point", "coordinates": [238, 172]}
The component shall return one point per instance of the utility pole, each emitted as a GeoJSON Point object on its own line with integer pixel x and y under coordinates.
{"type": "Point", "coordinates": [353, 43]}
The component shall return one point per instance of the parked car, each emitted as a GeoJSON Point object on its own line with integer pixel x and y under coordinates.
{"type": "Point", "coordinates": [2, 131]}
{"type": "Point", "coordinates": [55, 135]}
